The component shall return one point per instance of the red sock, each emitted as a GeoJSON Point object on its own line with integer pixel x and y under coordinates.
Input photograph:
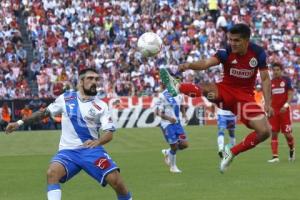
{"type": "Point", "coordinates": [190, 89]}
{"type": "Point", "coordinates": [249, 142]}
{"type": "Point", "coordinates": [290, 140]}
{"type": "Point", "coordinates": [274, 146]}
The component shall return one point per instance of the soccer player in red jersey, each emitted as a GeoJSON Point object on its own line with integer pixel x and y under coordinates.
{"type": "Point", "coordinates": [282, 94]}
{"type": "Point", "coordinates": [241, 61]}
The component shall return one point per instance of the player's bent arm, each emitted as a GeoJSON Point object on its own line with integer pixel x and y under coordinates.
{"type": "Point", "coordinates": [105, 138]}
{"type": "Point", "coordinates": [201, 64]}
{"type": "Point", "coordinates": [36, 116]}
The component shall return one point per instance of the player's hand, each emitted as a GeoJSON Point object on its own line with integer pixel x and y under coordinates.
{"type": "Point", "coordinates": [283, 109]}
{"type": "Point", "coordinates": [185, 118]}
{"type": "Point", "coordinates": [173, 120]}
{"type": "Point", "coordinates": [269, 110]}
{"type": "Point", "coordinates": [11, 127]}
{"type": "Point", "coordinates": [183, 67]}
{"type": "Point", "coordinates": [91, 143]}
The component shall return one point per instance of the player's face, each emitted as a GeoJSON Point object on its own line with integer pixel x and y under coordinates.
{"type": "Point", "coordinates": [89, 83]}
{"type": "Point", "coordinates": [276, 72]}
{"type": "Point", "coordinates": [238, 44]}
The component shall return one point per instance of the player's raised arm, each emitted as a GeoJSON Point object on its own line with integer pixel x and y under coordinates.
{"type": "Point", "coordinates": [266, 87]}
{"type": "Point", "coordinates": [36, 116]}
{"type": "Point", "coordinates": [200, 65]}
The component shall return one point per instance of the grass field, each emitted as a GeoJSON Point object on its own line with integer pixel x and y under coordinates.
{"type": "Point", "coordinates": [24, 157]}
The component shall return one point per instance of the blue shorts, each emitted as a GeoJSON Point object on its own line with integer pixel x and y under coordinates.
{"type": "Point", "coordinates": [174, 133]}
{"type": "Point", "coordinates": [94, 161]}
{"type": "Point", "coordinates": [226, 122]}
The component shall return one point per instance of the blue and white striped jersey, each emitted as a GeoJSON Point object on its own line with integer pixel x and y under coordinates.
{"type": "Point", "coordinates": [81, 120]}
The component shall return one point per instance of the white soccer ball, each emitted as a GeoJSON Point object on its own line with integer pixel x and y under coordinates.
{"type": "Point", "coordinates": [149, 44]}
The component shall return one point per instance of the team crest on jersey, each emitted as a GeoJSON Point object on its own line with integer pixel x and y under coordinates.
{"type": "Point", "coordinates": [92, 112]}
{"type": "Point", "coordinates": [253, 62]}
{"type": "Point", "coordinates": [282, 84]}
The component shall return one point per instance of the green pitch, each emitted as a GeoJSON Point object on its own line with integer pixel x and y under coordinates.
{"type": "Point", "coordinates": [24, 157]}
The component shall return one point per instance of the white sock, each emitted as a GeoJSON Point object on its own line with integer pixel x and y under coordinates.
{"type": "Point", "coordinates": [54, 194]}
{"type": "Point", "coordinates": [221, 142]}
{"type": "Point", "coordinates": [172, 159]}
{"type": "Point", "coordinates": [232, 141]}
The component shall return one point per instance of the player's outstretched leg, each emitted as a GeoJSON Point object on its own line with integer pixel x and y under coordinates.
{"type": "Point", "coordinates": [175, 87]}
{"type": "Point", "coordinates": [114, 179]}
{"type": "Point", "coordinates": [54, 173]}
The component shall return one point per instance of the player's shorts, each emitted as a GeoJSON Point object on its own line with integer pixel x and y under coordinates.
{"type": "Point", "coordinates": [226, 122]}
{"type": "Point", "coordinates": [94, 161]}
{"type": "Point", "coordinates": [281, 122]}
{"type": "Point", "coordinates": [239, 102]}
{"type": "Point", "coordinates": [174, 133]}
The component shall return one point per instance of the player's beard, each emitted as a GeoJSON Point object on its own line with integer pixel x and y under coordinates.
{"type": "Point", "coordinates": [90, 92]}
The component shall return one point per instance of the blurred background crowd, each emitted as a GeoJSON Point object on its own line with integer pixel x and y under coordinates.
{"type": "Point", "coordinates": [44, 43]}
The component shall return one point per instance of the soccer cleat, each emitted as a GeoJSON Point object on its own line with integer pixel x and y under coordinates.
{"type": "Point", "coordinates": [227, 158]}
{"type": "Point", "coordinates": [274, 160]}
{"type": "Point", "coordinates": [170, 82]}
{"type": "Point", "coordinates": [292, 156]}
{"type": "Point", "coordinates": [174, 169]}
{"type": "Point", "coordinates": [165, 152]}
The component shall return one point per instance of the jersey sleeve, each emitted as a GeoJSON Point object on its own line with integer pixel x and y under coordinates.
{"type": "Point", "coordinates": [106, 121]}
{"type": "Point", "coordinates": [222, 55]}
{"type": "Point", "coordinates": [56, 107]}
{"type": "Point", "coordinates": [261, 58]}
{"type": "Point", "coordinates": [289, 85]}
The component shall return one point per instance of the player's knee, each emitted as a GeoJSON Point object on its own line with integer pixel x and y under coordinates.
{"type": "Point", "coordinates": [184, 145]}
{"type": "Point", "coordinates": [116, 182]}
{"type": "Point", "coordinates": [264, 133]}
{"type": "Point", "coordinates": [52, 175]}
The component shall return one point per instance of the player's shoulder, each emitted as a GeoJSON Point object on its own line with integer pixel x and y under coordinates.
{"type": "Point", "coordinates": [286, 79]}
{"type": "Point", "coordinates": [256, 48]}
{"type": "Point", "coordinates": [100, 104]}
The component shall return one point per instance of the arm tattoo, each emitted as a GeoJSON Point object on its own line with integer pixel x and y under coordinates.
{"type": "Point", "coordinates": [37, 116]}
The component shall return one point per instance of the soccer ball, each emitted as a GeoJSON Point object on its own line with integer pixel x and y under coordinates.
{"type": "Point", "coordinates": [149, 44]}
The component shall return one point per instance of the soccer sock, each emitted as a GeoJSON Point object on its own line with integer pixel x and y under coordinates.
{"type": "Point", "coordinates": [190, 89]}
{"type": "Point", "coordinates": [274, 146]}
{"type": "Point", "coordinates": [232, 137]}
{"type": "Point", "coordinates": [172, 156]}
{"type": "Point", "coordinates": [221, 140]}
{"type": "Point", "coordinates": [125, 197]}
{"type": "Point", "coordinates": [54, 192]}
{"type": "Point", "coordinates": [249, 142]}
{"type": "Point", "coordinates": [290, 140]}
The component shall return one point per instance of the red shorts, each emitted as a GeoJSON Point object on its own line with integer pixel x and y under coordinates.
{"type": "Point", "coordinates": [239, 102]}
{"type": "Point", "coordinates": [281, 121]}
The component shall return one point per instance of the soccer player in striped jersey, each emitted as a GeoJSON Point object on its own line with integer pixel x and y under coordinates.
{"type": "Point", "coordinates": [81, 146]}
{"type": "Point", "coordinates": [168, 108]}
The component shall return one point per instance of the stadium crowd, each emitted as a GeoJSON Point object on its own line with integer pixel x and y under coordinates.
{"type": "Point", "coordinates": [68, 36]}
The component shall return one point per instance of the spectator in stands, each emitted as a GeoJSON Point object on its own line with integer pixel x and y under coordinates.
{"type": "Point", "coordinates": [5, 115]}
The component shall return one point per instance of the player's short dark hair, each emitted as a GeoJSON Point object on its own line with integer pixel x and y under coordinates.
{"type": "Point", "coordinates": [277, 64]}
{"type": "Point", "coordinates": [242, 29]}
{"type": "Point", "coordinates": [84, 71]}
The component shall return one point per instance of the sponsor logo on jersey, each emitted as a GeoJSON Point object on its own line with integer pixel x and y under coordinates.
{"type": "Point", "coordinates": [253, 62]}
{"type": "Point", "coordinates": [278, 91]}
{"type": "Point", "coordinates": [241, 73]}
{"type": "Point", "coordinates": [102, 163]}
{"type": "Point", "coordinates": [282, 84]}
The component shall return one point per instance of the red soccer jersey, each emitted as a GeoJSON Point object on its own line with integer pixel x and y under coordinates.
{"type": "Point", "coordinates": [280, 88]}
{"type": "Point", "coordinates": [241, 71]}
